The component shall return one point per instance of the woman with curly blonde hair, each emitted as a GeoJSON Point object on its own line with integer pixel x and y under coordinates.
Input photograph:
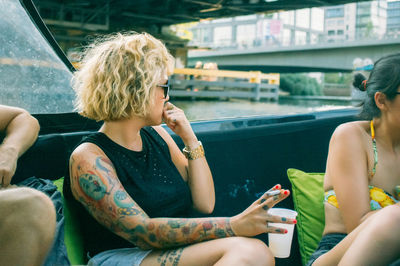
{"type": "Point", "coordinates": [132, 178]}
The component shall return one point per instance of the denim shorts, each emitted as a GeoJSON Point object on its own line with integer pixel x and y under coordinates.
{"type": "Point", "coordinates": [119, 257]}
{"type": "Point", "coordinates": [328, 242]}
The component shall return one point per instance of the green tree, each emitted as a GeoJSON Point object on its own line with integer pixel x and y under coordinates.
{"type": "Point", "coordinates": [369, 30]}
{"type": "Point", "coordinates": [300, 84]}
{"type": "Point", "coordinates": [338, 78]}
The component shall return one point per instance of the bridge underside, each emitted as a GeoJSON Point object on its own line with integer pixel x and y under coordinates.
{"type": "Point", "coordinates": [73, 20]}
{"type": "Point", "coordinates": [321, 58]}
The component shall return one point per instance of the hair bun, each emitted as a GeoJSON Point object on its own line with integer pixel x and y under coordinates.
{"type": "Point", "coordinates": [360, 82]}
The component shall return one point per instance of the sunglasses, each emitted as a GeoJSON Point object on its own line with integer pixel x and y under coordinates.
{"type": "Point", "coordinates": [166, 89]}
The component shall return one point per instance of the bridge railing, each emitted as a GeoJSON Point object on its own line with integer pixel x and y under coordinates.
{"type": "Point", "coordinates": [202, 83]}
{"type": "Point", "coordinates": [280, 42]}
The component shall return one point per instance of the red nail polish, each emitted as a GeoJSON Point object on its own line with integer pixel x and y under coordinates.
{"type": "Point", "coordinates": [295, 221]}
{"type": "Point", "coordinates": [276, 187]}
{"type": "Point", "coordinates": [286, 192]}
{"type": "Point", "coordinates": [285, 231]}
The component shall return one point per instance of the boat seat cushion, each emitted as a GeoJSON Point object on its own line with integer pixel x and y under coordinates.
{"type": "Point", "coordinates": [308, 196]}
{"type": "Point", "coordinates": [72, 235]}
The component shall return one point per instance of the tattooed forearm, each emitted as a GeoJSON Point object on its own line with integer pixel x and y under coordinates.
{"type": "Point", "coordinates": [97, 187]}
{"type": "Point", "coordinates": [173, 232]}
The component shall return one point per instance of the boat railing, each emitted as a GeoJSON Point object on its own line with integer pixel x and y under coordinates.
{"type": "Point", "coordinates": [204, 83]}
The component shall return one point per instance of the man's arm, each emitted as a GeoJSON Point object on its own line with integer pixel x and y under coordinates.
{"type": "Point", "coordinates": [20, 130]}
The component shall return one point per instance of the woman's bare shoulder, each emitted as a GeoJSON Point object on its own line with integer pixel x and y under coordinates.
{"type": "Point", "coordinates": [351, 130]}
{"type": "Point", "coordinates": [86, 150]}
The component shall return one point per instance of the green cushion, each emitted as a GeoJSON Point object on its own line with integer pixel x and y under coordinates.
{"type": "Point", "coordinates": [308, 196]}
{"type": "Point", "coordinates": [72, 236]}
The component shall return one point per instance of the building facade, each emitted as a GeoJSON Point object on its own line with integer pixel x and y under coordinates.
{"type": "Point", "coordinates": [297, 27]}
{"type": "Point", "coordinates": [371, 19]}
{"type": "Point", "coordinates": [393, 19]}
{"type": "Point", "coordinates": [340, 23]}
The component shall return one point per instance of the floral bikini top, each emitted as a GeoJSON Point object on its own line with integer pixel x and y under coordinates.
{"type": "Point", "coordinates": [379, 197]}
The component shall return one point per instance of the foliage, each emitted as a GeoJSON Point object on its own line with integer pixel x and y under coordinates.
{"type": "Point", "coordinates": [338, 78]}
{"type": "Point", "coordinates": [369, 30]}
{"type": "Point", "coordinates": [300, 84]}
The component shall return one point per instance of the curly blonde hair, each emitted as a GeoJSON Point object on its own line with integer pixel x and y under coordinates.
{"type": "Point", "coordinates": [118, 75]}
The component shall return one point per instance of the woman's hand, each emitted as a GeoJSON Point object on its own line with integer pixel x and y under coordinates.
{"type": "Point", "coordinates": [254, 220]}
{"type": "Point", "coordinates": [176, 120]}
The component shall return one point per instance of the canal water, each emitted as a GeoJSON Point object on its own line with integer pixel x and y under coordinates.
{"type": "Point", "coordinates": [210, 110]}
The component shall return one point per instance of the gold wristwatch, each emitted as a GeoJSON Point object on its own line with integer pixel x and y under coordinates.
{"type": "Point", "coordinates": [193, 154]}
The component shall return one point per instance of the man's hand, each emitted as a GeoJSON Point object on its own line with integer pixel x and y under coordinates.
{"type": "Point", "coordinates": [8, 164]}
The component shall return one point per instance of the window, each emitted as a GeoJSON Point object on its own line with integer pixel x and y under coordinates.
{"type": "Point", "coordinates": [300, 37]}
{"type": "Point", "coordinates": [303, 18]}
{"type": "Point", "coordinates": [32, 75]}
{"type": "Point", "coordinates": [314, 38]}
{"type": "Point", "coordinates": [223, 36]}
{"type": "Point", "coordinates": [287, 37]}
{"type": "Point", "coordinates": [340, 32]}
{"type": "Point", "coordinates": [245, 34]}
{"type": "Point", "coordinates": [317, 19]}
{"type": "Point", "coordinates": [335, 12]}
{"type": "Point", "coordinates": [287, 17]}
{"type": "Point", "coordinates": [330, 23]}
{"type": "Point", "coordinates": [331, 32]}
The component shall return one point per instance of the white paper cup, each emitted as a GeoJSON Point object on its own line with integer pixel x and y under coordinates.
{"type": "Point", "coordinates": [280, 244]}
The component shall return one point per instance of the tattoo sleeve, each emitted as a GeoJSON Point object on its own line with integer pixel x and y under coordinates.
{"type": "Point", "coordinates": [95, 184]}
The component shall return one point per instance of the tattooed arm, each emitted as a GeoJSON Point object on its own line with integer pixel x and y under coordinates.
{"type": "Point", "coordinates": [95, 184]}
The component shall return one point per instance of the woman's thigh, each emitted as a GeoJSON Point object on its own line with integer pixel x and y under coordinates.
{"type": "Point", "coordinates": [334, 256]}
{"type": "Point", "coordinates": [225, 251]}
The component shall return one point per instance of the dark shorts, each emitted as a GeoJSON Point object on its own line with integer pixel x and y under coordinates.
{"type": "Point", "coordinates": [327, 242]}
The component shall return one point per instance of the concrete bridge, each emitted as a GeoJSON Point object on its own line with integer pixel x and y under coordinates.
{"type": "Point", "coordinates": [329, 57]}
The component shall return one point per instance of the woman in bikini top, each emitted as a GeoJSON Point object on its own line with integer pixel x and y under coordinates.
{"type": "Point", "coordinates": [362, 212]}
{"type": "Point", "coordinates": [379, 198]}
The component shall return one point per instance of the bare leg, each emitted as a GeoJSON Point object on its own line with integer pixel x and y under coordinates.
{"type": "Point", "coordinates": [372, 243]}
{"type": "Point", "coordinates": [379, 242]}
{"type": "Point", "coordinates": [226, 251]}
{"type": "Point", "coordinates": [27, 226]}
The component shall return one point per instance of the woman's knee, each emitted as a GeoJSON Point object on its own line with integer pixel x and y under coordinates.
{"type": "Point", "coordinates": [389, 218]}
{"type": "Point", "coordinates": [252, 251]}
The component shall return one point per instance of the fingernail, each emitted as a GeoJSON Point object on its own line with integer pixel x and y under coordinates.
{"type": "Point", "coordinates": [285, 231]}
{"type": "Point", "coordinates": [276, 187]}
{"type": "Point", "coordinates": [294, 221]}
{"type": "Point", "coordinates": [286, 192]}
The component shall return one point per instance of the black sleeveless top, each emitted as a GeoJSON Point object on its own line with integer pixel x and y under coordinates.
{"type": "Point", "coordinates": [149, 177]}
